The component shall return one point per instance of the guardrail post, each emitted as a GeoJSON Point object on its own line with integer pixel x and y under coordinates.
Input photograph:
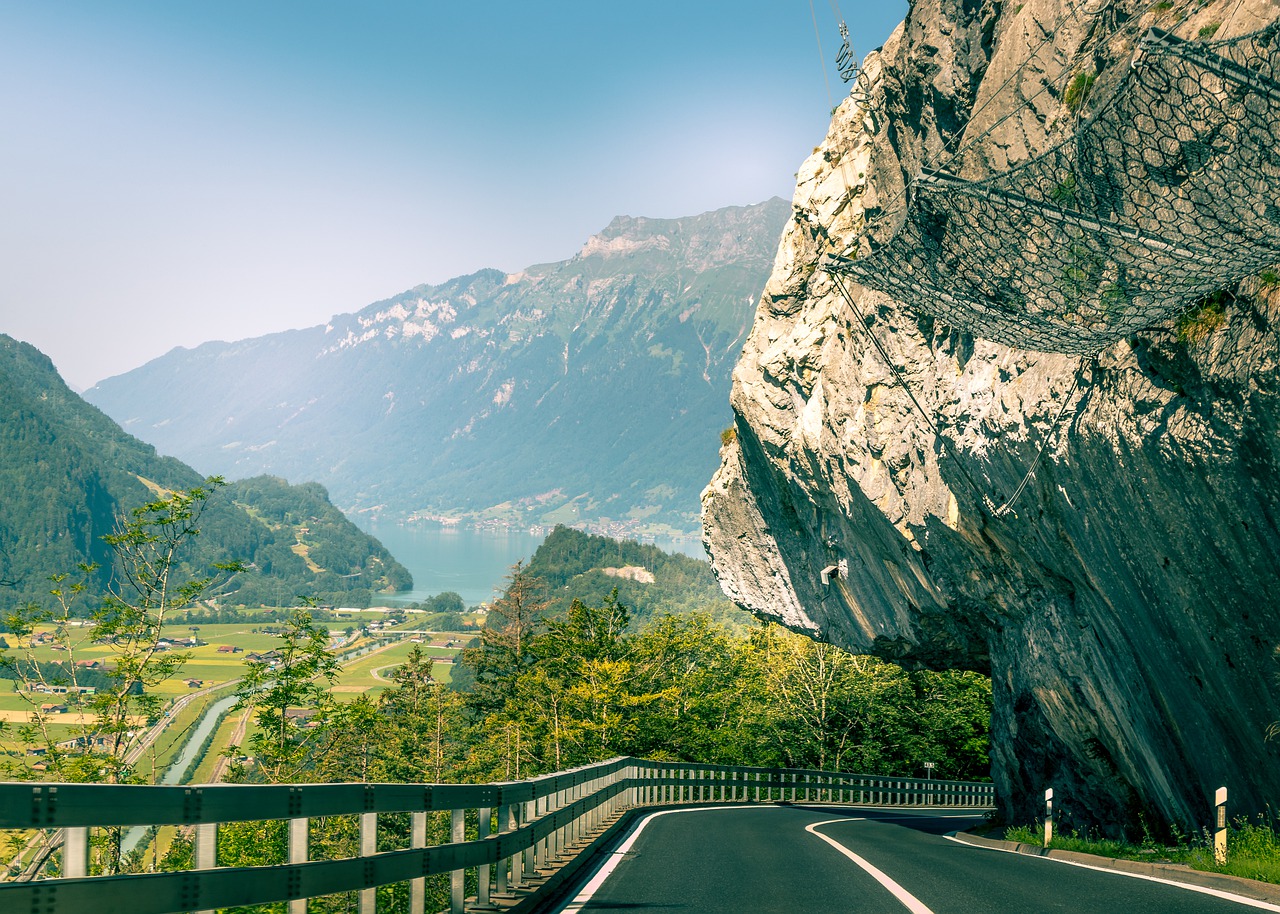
{"type": "Point", "coordinates": [205, 852]}
{"type": "Point", "coordinates": [482, 871]}
{"type": "Point", "coordinates": [574, 833]}
{"type": "Point", "coordinates": [504, 826]}
{"type": "Point", "coordinates": [556, 842]}
{"type": "Point", "coordinates": [520, 815]}
{"type": "Point", "coordinates": [536, 854]}
{"type": "Point", "coordinates": [75, 852]}
{"type": "Point", "coordinates": [1048, 817]}
{"type": "Point", "coordinates": [368, 899]}
{"type": "Point", "coordinates": [298, 854]}
{"type": "Point", "coordinates": [457, 878]}
{"type": "Point", "coordinates": [1220, 826]}
{"type": "Point", "coordinates": [417, 839]}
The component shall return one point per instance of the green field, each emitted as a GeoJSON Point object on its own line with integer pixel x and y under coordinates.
{"type": "Point", "coordinates": [208, 666]}
{"type": "Point", "coordinates": [370, 675]}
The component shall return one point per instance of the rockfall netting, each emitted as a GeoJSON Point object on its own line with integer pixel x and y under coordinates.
{"type": "Point", "coordinates": [1169, 191]}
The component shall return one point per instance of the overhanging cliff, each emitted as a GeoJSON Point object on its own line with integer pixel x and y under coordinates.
{"type": "Point", "coordinates": [1126, 608]}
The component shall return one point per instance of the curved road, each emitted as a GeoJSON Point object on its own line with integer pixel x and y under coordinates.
{"type": "Point", "coordinates": [792, 859]}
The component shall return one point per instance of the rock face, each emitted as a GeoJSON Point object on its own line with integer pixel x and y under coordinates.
{"type": "Point", "coordinates": [1128, 609]}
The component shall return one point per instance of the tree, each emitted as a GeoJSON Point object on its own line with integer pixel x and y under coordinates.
{"type": "Point", "coordinates": [427, 736]}
{"type": "Point", "coordinates": [513, 621]}
{"type": "Point", "coordinates": [149, 583]}
{"type": "Point", "coordinates": [292, 678]}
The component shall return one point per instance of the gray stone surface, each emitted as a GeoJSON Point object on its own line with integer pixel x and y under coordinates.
{"type": "Point", "coordinates": [1128, 612]}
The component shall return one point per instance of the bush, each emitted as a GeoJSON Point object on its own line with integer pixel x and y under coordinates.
{"type": "Point", "coordinates": [1078, 91]}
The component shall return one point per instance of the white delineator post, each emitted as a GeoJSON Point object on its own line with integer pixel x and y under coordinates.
{"type": "Point", "coordinates": [1220, 826]}
{"type": "Point", "coordinates": [1048, 817]}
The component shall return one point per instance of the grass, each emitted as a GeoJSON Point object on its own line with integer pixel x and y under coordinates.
{"type": "Point", "coordinates": [1078, 91]}
{"type": "Point", "coordinates": [1253, 849]}
{"type": "Point", "coordinates": [358, 678]}
{"type": "Point", "coordinates": [1200, 323]}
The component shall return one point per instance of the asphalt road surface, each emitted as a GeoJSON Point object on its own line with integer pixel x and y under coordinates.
{"type": "Point", "coordinates": [790, 859]}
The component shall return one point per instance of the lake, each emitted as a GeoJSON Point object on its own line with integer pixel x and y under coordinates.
{"type": "Point", "coordinates": [472, 563]}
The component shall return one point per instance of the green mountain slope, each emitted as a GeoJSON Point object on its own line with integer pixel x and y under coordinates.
{"type": "Point", "coordinates": [67, 472]}
{"type": "Point", "coordinates": [649, 581]}
{"type": "Point", "coordinates": [590, 390]}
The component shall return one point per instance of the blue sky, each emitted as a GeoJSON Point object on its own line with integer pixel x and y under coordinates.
{"type": "Point", "coordinates": [175, 172]}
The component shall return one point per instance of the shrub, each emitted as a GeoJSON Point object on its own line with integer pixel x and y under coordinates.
{"type": "Point", "coordinates": [1078, 90]}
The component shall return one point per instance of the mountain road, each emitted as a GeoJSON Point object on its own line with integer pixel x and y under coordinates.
{"type": "Point", "coordinates": [790, 858]}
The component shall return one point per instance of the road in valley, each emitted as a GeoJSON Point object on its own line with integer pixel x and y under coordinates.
{"type": "Point", "coordinates": [781, 859]}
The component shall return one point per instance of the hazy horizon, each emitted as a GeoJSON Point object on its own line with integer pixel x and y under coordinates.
{"type": "Point", "coordinates": [182, 174]}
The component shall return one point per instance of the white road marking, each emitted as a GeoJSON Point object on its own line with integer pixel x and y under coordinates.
{"type": "Point", "coordinates": [911, 902]}
{"type": "Point", "coordinates": [607, 867]}
{"type": "Point", "coordinates": [611, 862]}
{"type": "Point", "coordinates": [1204, 890]}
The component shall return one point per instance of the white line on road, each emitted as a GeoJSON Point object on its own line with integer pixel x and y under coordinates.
{"type": "Point", "coordinates": [1204, 890]}
{"type": "Point", "coordinates": [597, 880]}
{"type": "Point", "coordinates": [911, 902]}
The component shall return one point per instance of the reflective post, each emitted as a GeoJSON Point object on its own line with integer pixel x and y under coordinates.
{"type": "Point", "coordinates": [1220, 826]}
{"type": "Point", "coordinates": [1048, 817]}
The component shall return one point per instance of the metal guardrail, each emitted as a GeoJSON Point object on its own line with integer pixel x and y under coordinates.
{"type": "Point", "coordinates": [520, 827]}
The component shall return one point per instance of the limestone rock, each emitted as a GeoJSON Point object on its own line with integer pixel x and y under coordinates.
{"type": "Point", "coordinates": [1128, 609]}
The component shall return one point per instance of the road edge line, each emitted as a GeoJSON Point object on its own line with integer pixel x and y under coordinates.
{"type": "Point", "coordinates": [616, 856]}
{"type": "Point", "coordinates": [1177, 878]}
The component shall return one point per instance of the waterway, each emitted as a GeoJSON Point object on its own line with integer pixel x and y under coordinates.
{"type": "Point", "coordinates": [175, 772]}
{"type": "Point", "coordinates": [472, 563]}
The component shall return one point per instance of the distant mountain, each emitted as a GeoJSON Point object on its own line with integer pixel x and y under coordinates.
{"type": "Point", "coordinates": [591, 390]}
{"type": "Point", "coordinates": [67, 472]}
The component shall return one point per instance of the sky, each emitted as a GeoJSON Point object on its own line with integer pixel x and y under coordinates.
{"type": "Point", "coordinates": [175, 172]}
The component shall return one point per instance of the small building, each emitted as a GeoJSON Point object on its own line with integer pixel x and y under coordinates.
{"type": "Point", "coordinates": [230, 649]}
{"type": "Point", "coordinates": [50, 708]}
{"type": "Point", "coordinates": [195, 683]}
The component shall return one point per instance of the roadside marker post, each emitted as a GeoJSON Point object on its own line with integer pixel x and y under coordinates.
{"type": "Point", "coordinates": [1220, 826]}
{"type": "Point", "coordinates": [1048, 817]}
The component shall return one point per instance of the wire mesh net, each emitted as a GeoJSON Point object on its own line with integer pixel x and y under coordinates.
{"type": "Point", "coordinates": [1168, 192]}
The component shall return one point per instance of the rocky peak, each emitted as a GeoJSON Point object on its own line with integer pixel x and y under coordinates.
{"type": "Point", "coordinates": [1121, 607]}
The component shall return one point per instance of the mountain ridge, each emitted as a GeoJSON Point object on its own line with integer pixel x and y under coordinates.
{"type": "Point", "coordinates": [594, 360]}
{"type": "Point", "coordinates": [67, 472]}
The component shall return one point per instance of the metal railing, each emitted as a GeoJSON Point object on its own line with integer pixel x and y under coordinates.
{"type": "Point", "coordinates": [519, 828]}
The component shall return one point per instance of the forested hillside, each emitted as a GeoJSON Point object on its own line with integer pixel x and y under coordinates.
{"type": "Point", "coordinates": [67, 473]}
{"type": "Point", "coordinates": [650, 582]}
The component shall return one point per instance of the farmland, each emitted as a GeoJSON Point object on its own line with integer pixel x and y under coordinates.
{"type": "Point", "coordinates": [374, 645]}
